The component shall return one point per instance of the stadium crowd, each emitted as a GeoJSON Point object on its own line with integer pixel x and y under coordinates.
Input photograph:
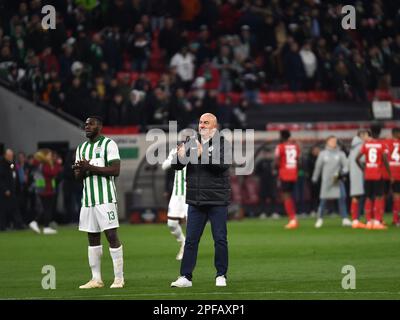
{"type": "Point", "coordinates": [177, 55]}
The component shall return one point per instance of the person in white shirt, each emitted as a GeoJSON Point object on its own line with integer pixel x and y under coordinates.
{"type": "Point", "coordinates": [310, 64]}
{"type": "Point", "coordinates": [183, 61]}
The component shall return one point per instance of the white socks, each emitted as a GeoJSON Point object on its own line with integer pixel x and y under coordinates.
{"type": "Point", "coordinates": [118, 262]}
{"type": "Point", "coordinates": [176, 230]}
{"type": "Point", "coordinates": [95, 254]}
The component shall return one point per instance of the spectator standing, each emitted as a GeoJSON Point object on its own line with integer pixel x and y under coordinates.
{"type": "Point", "coordinates": [21, 168]}
{"type": "Point", "coordinates": [294, 69]}
{"type": "Point", "coordinates": [395, 75]}
{"type": "Point", "coordinates": [139, 46]}
{"type": "Point", "coordinates": [57, 96]}
{"type": "Point", "coordinates": [359, 78]}
{"type": "Point", "coordinates": [9, 210]}
{"type": "Point", "coordinates": [251, 79]}
{"type": "Point", "coordinates": [183, 61]}
{"type": "Point", "coordinates": [190, 11]}
{"type": "Point", "coordinates": [223, 62]}
{"type": "Point", "coordinates": [170, 39]}
{"type": "Point", "coordinates": [45, 182]}
{"type": "Point", "coordinates": [309, 64]}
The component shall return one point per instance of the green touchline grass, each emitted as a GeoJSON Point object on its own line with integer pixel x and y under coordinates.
{"type": "Point", "coordinates": [265, 262]}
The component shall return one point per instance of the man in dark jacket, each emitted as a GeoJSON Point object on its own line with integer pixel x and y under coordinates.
{"type": "Point", "coordinates": [9, 210]}
{"type": "Point", "coordinates": [208, 193]}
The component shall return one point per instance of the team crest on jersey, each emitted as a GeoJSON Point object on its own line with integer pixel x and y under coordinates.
{"type": "Point", "coordinates": [210, 149]}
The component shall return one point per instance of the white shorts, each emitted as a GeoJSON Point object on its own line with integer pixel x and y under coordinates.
{"type": "Point", "coordinates": [177, 207]}
{"type": "Point", "coordinates": [99, 218]}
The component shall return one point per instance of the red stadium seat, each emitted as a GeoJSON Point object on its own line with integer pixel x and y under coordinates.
{"type": "Point", "coordinates": [122, 74]}
{"type": "Point", "coordinates": [153, 77]}
{"type": "Point", "coordinates": [236, 97]}
{"type": "Point", "coordinates": [221, 98]}
{"type": "Point", "coordinates": [301, 96]}
{"type": "Point", "coordinates": [288, 97]}
{"type": "Point", "coordinates": [314, 96]}
{"type": "Point", "coordinates": [324, 95]}
{"type": "Point", "coordinates": [272, 97]}
{"type": "Point", "coordinates": [382, 95]}
{"type": "Point", "coordinates": [134, 76]}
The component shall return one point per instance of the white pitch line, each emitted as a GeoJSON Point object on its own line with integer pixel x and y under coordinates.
{"type": "Point", "coordinates": [208, 293]}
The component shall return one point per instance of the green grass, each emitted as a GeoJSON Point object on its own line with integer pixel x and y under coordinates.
{"type": "Point", "coordinates": [266, 262]}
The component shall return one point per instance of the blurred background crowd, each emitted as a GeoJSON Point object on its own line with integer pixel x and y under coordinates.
{"type": "Point", "coordinates": [34, 187]}
{"type": "Point", "coordinates": [144, 62]}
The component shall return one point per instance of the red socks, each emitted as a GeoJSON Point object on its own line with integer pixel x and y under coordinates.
{"type": "Point", "coordinates": [396, 209]}
{"type": "Point", "coordinates": [290, 208]}
{"type": "Point", "coordinates": [379, 208]}
{"type": "Point", "coordinates": [368, 209]}
{"type": "Point", "coordinates": [354, 209]}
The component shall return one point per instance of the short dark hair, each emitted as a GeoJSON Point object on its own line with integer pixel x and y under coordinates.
{"type": "Point", "coordinates": [376, 130]}
{"type": "Point", "coordinates": [99, 119]}
{"type": "Point", "coordinates": [284, 134]}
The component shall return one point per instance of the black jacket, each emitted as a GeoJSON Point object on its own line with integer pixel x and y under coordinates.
{"type": "Point", "coordinates": [8, 178]}
{"type": "Point", "coordinates": [207, 184]}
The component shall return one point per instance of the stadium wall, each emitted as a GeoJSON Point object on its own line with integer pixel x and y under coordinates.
{"type": "Point", "coordinates": [24, 125]}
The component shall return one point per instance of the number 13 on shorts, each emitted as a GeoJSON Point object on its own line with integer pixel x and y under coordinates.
{"type": "Point", "coordinates": [111, 215]}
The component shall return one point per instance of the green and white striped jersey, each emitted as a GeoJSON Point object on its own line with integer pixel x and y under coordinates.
{"type": "Point", "coordinates": [179, 188]}
{"type": "Point", "coordinates": [98, 189]}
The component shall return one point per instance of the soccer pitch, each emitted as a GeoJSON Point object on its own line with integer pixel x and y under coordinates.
{"type": "Point", "coordinates": [266, 262]}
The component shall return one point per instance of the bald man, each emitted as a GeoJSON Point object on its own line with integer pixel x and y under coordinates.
{"type": "Point", "coordinates": [9, 209]}
{"type": "Point", "coordinates": [208, 194]}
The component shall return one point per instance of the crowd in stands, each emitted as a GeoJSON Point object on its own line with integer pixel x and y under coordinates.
{"type": "Point", "coordinates": [38, 190]}
{"type": "Point", "coordinates": [144, 62]}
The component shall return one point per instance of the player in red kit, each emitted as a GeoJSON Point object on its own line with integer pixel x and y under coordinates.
{"type": "Point", "coordinates": [376, 157]}
{"type": "Point", "coordinates": [385, 175]}
{"type": "Point", "coordinates": [393, 146]}
{"type": "Point", "coordinates": [287, 155]}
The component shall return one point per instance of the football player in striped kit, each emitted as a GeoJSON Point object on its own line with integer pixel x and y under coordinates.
{"type": "Point", "coordinates": [177, 207]}
{"type": "Point", "coordinates": [97, 164]}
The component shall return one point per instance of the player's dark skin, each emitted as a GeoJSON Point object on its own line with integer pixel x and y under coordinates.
{"type": "Point", "coordinates": [385, 162]}
{"type": "Point", "coordinates": [82, 168]}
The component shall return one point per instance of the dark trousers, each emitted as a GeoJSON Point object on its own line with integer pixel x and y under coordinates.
{"type": "Point", "coordinates": [46, 214]}
{"type": "Point", "coordinates": [10, 213]}
{"type": "Point", "coordinates": [196, 221]}
{"type": "Point", "coordinates": [23, 205]}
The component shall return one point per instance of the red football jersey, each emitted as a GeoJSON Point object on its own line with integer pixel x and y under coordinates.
{"type": "Point", "coordinates": [288, 154]}
{"type": "Point", "coordinates": [373, 151]}
{"type": "Point", "coordinates": [393, 147]}
{"type": "Point", "coordinates": [386, 142]}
